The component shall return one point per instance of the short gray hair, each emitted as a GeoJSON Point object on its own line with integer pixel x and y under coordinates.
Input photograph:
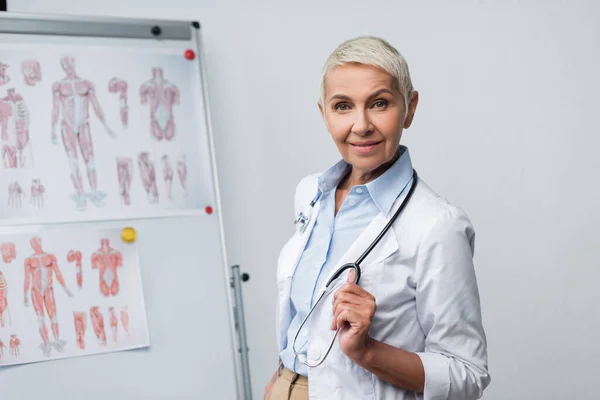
{"type": "Point", "coordinates": [375, 51]}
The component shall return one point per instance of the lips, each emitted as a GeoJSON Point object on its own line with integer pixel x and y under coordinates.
{"type": "Point", "coordinates": [366, 144]}
{"type": "Point", "coordinates": [365, 147]}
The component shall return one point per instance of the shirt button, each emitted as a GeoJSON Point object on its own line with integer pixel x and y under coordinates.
{"type": "Point", "coordinates": [302, 358]}
{"type": "Point", "coordinates": [305, 334]}
{"type": "Point", "coordinates": [358, 190]}
{"type": "Point", "coordinates": [306, 301]}
{"type": "Point", "coordinates": [352, 202]}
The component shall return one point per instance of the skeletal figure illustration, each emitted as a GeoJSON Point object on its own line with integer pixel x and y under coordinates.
{"type": "Point", "coordinates": [39, 268]}
{"type": "Point", "coordinates": [182, 173]}
{"type": "Point", "coordinates": [125, 320]}
{"type": "Point", "coordinates": [162, 95]}
{"type": "Point", "coordinates": [80, 320]}
{"type": "Point", "coordinates": [4, 78]}
{"type": "Point", "coordinates": [32, 72]}
{"type": "Point", "coordinates": [167, 174]}
{"type": "Point", "coordinates": [9, 252]}
{"type": "Point", "coordinates": [71, 98]}
{"type": "Point", "coordinates": [38, 193]}
{"type": "Point", "coordinates": [148, 176]}
{"type": "Point", "coordinates": [14, 121]}
{"type": "Point", "coordinates": [98, 324]}
{"type": "Point", "coordinates": [15, 195]}
{"type": "Point", "coordinates": [107, 260]}
{"type": "Point", "coordinates": [116, 85]}
{"type": "Point", "coordinates": [14, 345]}
{"type": "Point", "coordinates": [75, 256]}
{"type": "Point", "coordinates": [114, 322]}
{"type": "Point", "coordinates": [125, 174]}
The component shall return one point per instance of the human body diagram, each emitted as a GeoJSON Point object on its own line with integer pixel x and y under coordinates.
{"type": "Point", "coordinates": [148, 176]}
{"type": "Point", "coordinates": [32, 72]}
{"type": "Point", "coordinates": [162, 95]}
{"type": "Point", "coordinates": [125, 174]}
{"type": "Point", "coordinates": [116, 85]}
{"type": "Point", "coordinates": [39, 269]}
{"type": "Point", "coordinates": [9, 253]}
{"type": "Point", "coordinates": [72, 97]}
{"type": "Point", "coordinates": [14, 125]}
{"type": "Point", "coordinates": [107, 260]}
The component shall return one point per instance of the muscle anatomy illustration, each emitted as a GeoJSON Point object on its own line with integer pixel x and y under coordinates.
{"type": "Point", "coordinates": [3, 301]}
{"type": "Point", "coordinates": [148, 176]}
{"type": "Point", "coordinates": [182, 173]}
{"type": "Point", "coordinates": [125, 320]}
{"type": "Point", "coordinates": [98, 324]}
{"type": "Point", "coordinates": [14, 123]}
{"type": "Point", "coordinates": [39, 268]}
{"type": "Point", "coordinates": [75, 256]}
{"type": "Point", "coordinates": [70, 113]}
{"type": "Point", "coordinates": [38, 193]}
{"type": "Point", "coordinates": [4, 78]}
{"type": "Point", "coordinates": [14, 345]}
{"type": "Point", "coordinates": [107, 260]}
{"type": "Point", "coordinates": [2, 347]}
{"type": "Point", "coordinates": [80, 319]}
{"type": "Point", "coordinates": [15, 195]}
{"type": "Point", "coordinates": [9, 252]}
{"type": "Point", "coordinates": [32, 72]}
{"type": "Point", "coordinates": [116, 85]}
{"type": "Point", "coordinates": [114, 323]}
{"type": "Point", "coordinates": [162, 96]}
{"type": "Point", "coordinates": [167, 174]}
{"type": "Point", "coordinates": [125, 174]}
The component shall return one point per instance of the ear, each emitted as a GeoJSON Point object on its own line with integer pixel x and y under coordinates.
{"type": "Point", "coordinates": [321, 109]}
{"type": "Point", "coordinates": [412, 108]}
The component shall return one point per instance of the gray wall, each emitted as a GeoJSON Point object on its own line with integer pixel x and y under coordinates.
{"type": "Point", "coordinates": [506, 128]}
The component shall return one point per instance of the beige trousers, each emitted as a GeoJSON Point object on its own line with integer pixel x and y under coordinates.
{"type": "Point", "coordinates": [289, 386]}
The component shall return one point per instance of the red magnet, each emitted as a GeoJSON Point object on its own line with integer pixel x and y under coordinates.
{"type": "Point", "coordinates": [208, 209]}
{"type": "Point", "coordinates": [189, 54]}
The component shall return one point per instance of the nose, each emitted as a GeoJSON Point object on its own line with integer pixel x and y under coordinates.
{"type": "Point", "coordinates": [362, 126]}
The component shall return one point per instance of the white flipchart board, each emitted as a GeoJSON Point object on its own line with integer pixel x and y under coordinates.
{"type": "Point", "coordinates": [184, 272]}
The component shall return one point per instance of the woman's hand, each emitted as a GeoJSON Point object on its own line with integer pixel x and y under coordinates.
{"type": "Point", "coordinates": [270, 385]}
{"type": "Point", "coordinates": [353, 311]}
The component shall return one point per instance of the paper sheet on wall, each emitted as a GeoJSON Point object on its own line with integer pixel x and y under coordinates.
{"type": "Point", "coordinates": [90, 132]}
{"type": "Point", "coordinates": [69, 293]}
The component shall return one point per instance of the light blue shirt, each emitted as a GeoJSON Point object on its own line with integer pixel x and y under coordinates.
{"type": "Point", "coordinates": [331, 237]}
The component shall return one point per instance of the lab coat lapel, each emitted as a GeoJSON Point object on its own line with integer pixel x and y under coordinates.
{"type": "Point", "coordinates": [298, 243]}
{"type": "Point", "coordinates": [386, 246]}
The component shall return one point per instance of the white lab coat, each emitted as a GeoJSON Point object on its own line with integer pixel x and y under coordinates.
{"type": "Point", "coordinates": [422, 276]}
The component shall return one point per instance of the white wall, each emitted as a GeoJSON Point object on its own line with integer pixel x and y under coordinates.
{"type": "Point", "coordinates": [507, 128]}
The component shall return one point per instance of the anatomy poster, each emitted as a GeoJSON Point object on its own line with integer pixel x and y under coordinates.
{"type": "Point", "coordinates": [101, 132]}
{"type": "Point", "coordinates": [69, 293]}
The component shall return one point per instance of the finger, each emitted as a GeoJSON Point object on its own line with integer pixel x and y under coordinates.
{"type": "Point", "coordinates": [352, 315]}
{"type": "Point", "coordinates": [354, 289]}
{"type": "Point", "coordinates": [351, 276]}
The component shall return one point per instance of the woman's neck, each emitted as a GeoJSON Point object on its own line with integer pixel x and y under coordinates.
{"type": "Point", "coordinates": [356, 177]}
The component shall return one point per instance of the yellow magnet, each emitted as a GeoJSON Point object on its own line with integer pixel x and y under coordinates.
{"type": "Point", "coordinates": [128, 235]}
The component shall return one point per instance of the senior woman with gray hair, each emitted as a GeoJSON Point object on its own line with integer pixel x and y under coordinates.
{"type": "Point", "coordinates": [411, 327]}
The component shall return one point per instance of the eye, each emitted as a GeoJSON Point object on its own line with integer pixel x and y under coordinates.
{"type": "Point", "coordinates": [380, 104]}
{"type": "Point", "coordinates": [341, 107]}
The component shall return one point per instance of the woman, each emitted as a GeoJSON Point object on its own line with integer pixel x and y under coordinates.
{"type": "Point", "coordinates": [411, 328]}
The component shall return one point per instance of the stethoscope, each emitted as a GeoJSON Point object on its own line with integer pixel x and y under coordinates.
{"type": "Point", "coordinates": [304, 219]}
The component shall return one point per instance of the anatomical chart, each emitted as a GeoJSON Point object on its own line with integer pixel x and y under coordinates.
{"type": "Point", "coordinates": [101, 133]}
{"type": "Point", "coordinates": [67, 295]}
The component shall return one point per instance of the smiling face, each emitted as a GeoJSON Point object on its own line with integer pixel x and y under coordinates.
{"type": "Point", "coordinates": [365, 114]}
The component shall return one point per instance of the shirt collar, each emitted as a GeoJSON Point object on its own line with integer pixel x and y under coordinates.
{"type": "Point", "coordinates": [384, 190]}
